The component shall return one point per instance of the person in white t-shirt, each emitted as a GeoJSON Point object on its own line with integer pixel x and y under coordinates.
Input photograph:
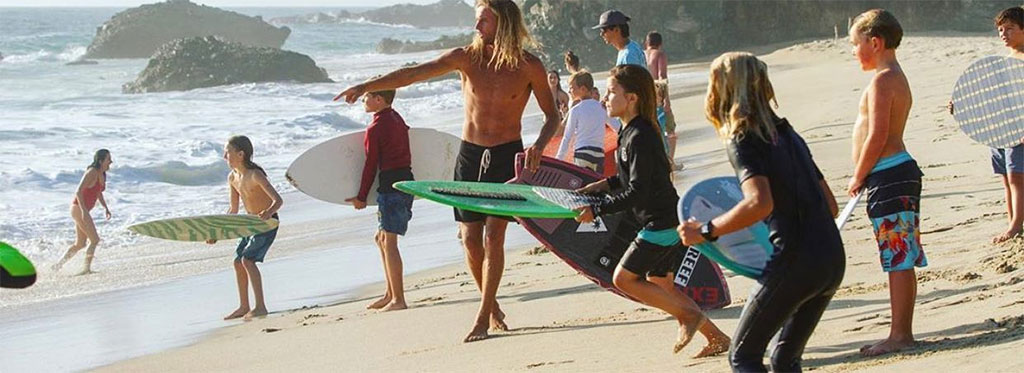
{"type": "Point", "coordinates": [584, 125]}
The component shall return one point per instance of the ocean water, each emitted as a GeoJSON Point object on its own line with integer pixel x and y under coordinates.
{"type": "Point", "coordinates": [167, 147]}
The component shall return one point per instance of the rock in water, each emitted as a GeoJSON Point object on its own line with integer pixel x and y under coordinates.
{"type": "Point", "coordinates": [138, 32]}
{"type": "Point", "coordinates": [444, 13]}
{"type": "Point", "coordinates": [210, 61]}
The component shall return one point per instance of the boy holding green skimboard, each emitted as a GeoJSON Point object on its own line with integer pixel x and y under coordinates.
{"type": "Point", "coordinates": [387, 148]}
{"type": "Point", "coordinates": [248, 183]}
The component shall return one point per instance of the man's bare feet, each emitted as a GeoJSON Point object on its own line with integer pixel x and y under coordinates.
{"type": "Point", "coordinates": [686, 332]}
{"type": "Point", "coordinates": [379, 303]}
{"type": "Point", "coordinates": [716, 345]}
{"type": "Point", "coordinates": [478, 333]}
{"type": "Point", "coordinates": [256, 312]}
{"type": "Point", "coordinates": [1006, 236]}
{"type": "Point", "coordinates": [394, 306]}
{"type": "Point", "coordinates": [241, 311]}
{"type": "Point", "coordinates": [886, 346]}
{"type": "Point", "coordinates": [498, 320]}
{"type": "Point", "coordinates": [84, 272]}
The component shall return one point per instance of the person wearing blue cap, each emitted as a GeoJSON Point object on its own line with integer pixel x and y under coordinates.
{"type": "Point", "coordinates": [614, 28]}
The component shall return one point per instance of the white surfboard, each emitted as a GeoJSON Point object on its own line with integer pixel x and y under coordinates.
{"type": "Point", "coordinates": [331, 171]}
{"type": "Point", "coordinates": [988, 101]}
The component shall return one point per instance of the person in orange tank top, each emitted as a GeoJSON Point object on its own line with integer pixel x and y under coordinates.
{"type": "Point", "coordinates": [90, 190]}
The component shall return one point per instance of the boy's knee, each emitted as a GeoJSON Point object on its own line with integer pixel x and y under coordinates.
{"type": "Point", "coordinates": [624, 278]}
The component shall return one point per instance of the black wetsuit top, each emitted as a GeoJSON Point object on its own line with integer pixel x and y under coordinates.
{"type": "Point", "coordinates": [642, 183]}
{"type": "Point", "coordinates": [800, 223]}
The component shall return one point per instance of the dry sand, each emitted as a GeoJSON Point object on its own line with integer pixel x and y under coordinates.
{"type": "Point", "coordinates": [969, 307]}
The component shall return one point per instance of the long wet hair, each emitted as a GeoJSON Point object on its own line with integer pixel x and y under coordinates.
{"type": "Point", "coordinates": [243, 144]}
{"type": "Point", "coordinates": [511, 39]}
{"type": "Point", "coordinates": [740, 97]}
{"type": "Point", "coordinates": [636, 80]}
{"type": "Point", "coordinates": [98, 158]}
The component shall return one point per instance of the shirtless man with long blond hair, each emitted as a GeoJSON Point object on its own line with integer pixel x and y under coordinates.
{"type": "Point", "coordinates": [498, 75]}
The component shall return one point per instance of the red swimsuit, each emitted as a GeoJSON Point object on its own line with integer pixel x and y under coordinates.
{"type": "Point", "coordinates": [90, 195]}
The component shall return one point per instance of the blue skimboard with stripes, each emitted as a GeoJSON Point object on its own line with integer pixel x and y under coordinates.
{"type": "Point", "coordinates": [207, 227]}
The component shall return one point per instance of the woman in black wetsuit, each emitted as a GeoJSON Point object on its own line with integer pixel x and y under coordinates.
{"type": "Point", "coordinates": [783, 187]}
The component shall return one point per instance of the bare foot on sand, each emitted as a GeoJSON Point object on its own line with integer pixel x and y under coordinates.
{"type": "Point", "coordinates": [885, 346]}
{"type": "Point", "coordinates": [256, 312]}
{"type": "Point", "coordinates": [714, 347]}
{"type": "Point", "coordinates": [379, 303]}
{"type": "Point", "coordinates": [1006, 236]}
{"type": "Point", "coordinates": [686, 331]}
{"type": "Point", "coordinates": [498, 320]}
{"type": "Point", "coordinates": [85, 272]}
{"type": "Point", "coordinates": [478, 333]}
{"type": "Point", "coordinates": [394, 306]}
{"type": "Point", "coordinates": [237, 313]}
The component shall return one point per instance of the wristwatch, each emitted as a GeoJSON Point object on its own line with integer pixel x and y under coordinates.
{"type": "Point", "coordinates": [708, 232]}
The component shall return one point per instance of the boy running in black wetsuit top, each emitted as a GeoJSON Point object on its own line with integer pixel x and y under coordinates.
{"type": "Point", "coordinates": [643, 186]}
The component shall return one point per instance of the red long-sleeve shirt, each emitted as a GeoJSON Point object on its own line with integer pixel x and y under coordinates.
{"type": "Point", "coordinates": [387, 148]}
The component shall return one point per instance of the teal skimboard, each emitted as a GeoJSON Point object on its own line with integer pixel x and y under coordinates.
{"type": "Point", "coordinates": [16, 271]}
{"type": "Point", "coordinates": [487, 198]}
{"type": "Point", "coordinates": [745, 252]}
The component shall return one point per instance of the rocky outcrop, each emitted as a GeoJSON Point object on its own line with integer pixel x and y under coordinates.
{"type": "Point", "coordinates": [393, 46]}
{"type": "Point", "coordinates": [138, 32]}
{"type": "Point", "coordinates": [200, 62]}
{"type": "Point", "coordinates": [700, 28]}
{"type": "Point", "coordinates": [444, 13]}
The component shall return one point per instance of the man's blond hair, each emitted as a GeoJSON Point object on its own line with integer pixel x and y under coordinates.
{"type": "Point", "coordinates": [511, 39]}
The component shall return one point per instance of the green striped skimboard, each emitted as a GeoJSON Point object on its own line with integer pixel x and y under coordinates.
{"type": "Point", "coordinates": [207, 227]}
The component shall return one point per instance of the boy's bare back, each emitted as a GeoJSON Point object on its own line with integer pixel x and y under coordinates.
{"type": "Point", "coordinates": [884, 106]}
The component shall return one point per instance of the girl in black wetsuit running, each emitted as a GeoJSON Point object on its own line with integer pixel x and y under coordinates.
{"type": "Point", "coordinates": [782, 186]}
{"type": "Point", "coordinates": [643, 186]}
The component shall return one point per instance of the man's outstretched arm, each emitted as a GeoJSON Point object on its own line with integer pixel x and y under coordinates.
{"type": "Point", "coordinates": [446, 63]}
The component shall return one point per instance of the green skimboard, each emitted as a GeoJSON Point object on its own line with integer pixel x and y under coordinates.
{"type": "Point", "coordinates": [202, 228]}
{"type": "Point", "coordinates": [514, 200]}
{"type": "Point", "coordinates": [16, 271]}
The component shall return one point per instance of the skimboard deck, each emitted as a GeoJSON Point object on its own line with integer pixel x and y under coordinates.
{"type": "Point", "coordinates": [487, 198]}
{"type": "Point", "coordinates": [988, 101]}
{"type": "Point", "coordinates": [207, 227]}
{"type": "Point", "coordinates": [594, 249]}
{"type": "Point", "coordinates": [332, 170]}
{"type": "Point", "coordinates": [16, 271]}
{"type": "Point", "coordinates": [745, 252]}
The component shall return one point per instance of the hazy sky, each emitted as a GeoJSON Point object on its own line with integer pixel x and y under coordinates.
{"type": "Point", "coordinates": [217, 3]}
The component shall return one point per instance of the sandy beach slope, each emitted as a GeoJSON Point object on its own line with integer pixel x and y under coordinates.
{"type": "Point", "coordinates": [969, 307]}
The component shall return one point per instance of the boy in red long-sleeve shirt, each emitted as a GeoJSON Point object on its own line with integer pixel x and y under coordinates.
{"type": "Point", "coordinates": [387, 149]}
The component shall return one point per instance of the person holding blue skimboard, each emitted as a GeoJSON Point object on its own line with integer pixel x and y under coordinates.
{"type": "Point", "coordinates": [387, 148]}
{"type": "Point", "coordinates": [249, 185]}
{"type": "Point", "coordinates": [90, 190]}
{"type": "Point", "coordinates": [643, 186]}
{"type": "Point", "coordinates": [783, 187]}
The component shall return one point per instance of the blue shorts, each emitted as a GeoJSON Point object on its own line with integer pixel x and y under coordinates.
{"type": "Point", "coordinates": [394, 210]}
{"type": "Point", "coordinates": [1008, 160]}
{"type": "Point", "coordinates": [255, 247]}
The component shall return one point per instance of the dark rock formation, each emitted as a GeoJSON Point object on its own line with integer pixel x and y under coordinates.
{"type": "Point", "coordinates": [200, 62]}
{"type": "Point", "coordinates": [392, 46]}
{"type": "Point", "coordinates": [138, 32]}
{"type": "Point", "coordinates": [700, 28]}
{"type": "Point", "coordinates": [444, 13]}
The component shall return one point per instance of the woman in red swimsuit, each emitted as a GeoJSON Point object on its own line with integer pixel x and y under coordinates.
{"type": "Point", "coordinates": [89, 191]}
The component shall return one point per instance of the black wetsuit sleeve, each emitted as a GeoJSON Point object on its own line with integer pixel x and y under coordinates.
{"type": "Point", "coordinates": [817, 172]}
{"type": "Point", "coordinates": [749, 157]}
{"type": "Point", "coordinates": [614, 183]}
{"type": "Point", "coordinates": [640, 155]}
